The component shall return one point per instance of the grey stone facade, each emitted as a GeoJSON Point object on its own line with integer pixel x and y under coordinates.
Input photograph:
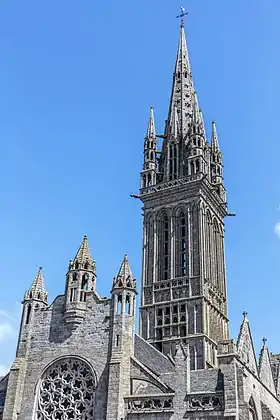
{"type": "Point", "coordinates": [79, 357]}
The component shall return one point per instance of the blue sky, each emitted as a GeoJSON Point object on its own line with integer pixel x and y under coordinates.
{"type": "Point", "coordinates": [76, 82]}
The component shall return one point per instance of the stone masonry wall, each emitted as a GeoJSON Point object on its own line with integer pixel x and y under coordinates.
{"type": "Point", "coordinates": [51, 340]}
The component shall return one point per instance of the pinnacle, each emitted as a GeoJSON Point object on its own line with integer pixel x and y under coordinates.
{"type": "Point", "coordinates": [151, 130]}
{"type": "Point", "coordinates": [83, 255]}
{"type": "Point", "coordinates": [125, 270]}
{"type": "Point", "coordinates": [37, 290]}
{"type": "Point", "coordinates": [125, 277]}
{"type": "Point", "coordinates": [215, 142]}
{"type": "Point", "coordinates": [38, 283]}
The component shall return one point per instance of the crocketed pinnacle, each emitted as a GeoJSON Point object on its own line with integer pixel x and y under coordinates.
{"type": "Point", "coordinates": [83, 255]}
{"type": "Point", "coordinates": [182, 89]}
{"type": "Point", "coordinates": [124, 278]}
{"type": "Point", "coordinates": [38, 283]}
{"type": "Point", "coordinates": [215, 141]}
{"type": "Point", "coordinates": [37, 290]}
{"type": "Point", "coordinates": [151, 130]}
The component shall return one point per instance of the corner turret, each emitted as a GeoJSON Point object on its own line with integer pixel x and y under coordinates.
{"type": "Point", "coordinates": [34, 299]}
{"type": "Point", "coordinates": [80, 281]}
{"type": "Point", "coordinates": [122, 341]}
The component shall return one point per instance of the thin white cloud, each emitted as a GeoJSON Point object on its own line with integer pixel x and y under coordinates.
{"type": "Point", "coordinates": [4, 314]}
{"type": "Point", "coordinates": [277, 229]}
{"type": "Point", "coordinates": [3, 370]}
{"type": "Point", "coordinates": [6, 331]}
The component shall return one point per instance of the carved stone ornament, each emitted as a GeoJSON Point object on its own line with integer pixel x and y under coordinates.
{"type": "Point", "coordinates": [66, 391]}
{"type": "Point", "coordinates": [205, 402]}
{"type": "Point", "coordinates": [159, 403]}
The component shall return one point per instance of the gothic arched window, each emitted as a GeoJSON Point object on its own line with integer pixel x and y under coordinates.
{"type": "Point", "coordinates": [164, 247]}
{"type": "Point", "coordinates": [208, 259]}
{"type": "Point", "coordinates": [216, 254]}
{"type": "Point", "coordinates": [85, 281]}
{"type": "Point", "coordinates": [182, 245]}
{"type": "Point", "coordinates": [66, 391]}
{"type": "Point", "coordinates": [28, 314]}
{"type": "Point", "coordinates": [252, 410]}
{"type": "Point", "coordinates": [173, 161]}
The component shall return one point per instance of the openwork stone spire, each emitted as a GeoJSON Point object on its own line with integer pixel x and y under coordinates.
{"type": "Point", "coordinates": [182, 89]}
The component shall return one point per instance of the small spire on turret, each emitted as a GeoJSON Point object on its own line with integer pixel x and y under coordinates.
{"type": "Point", "coordinates": [83, 258]}
{"type": "Point", "coordinates": [151, 130]}
{"type": "Point", "coordinates": [215, 142]}
{"type": "Point", "coordinates": [124, 278]}
{"type": "Point", "coordinates": [83, 253]}
{"type": "Point", "coordinates": [37, 291]}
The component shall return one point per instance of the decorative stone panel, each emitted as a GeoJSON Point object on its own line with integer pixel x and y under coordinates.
{"type": "Point", "coordinates": [150, 404]}
{"type": "Point", "coordinates": [202, 402]}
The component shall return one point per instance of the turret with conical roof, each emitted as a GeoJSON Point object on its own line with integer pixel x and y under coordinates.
{"type": "Point", "coordinates": [122, 339]}
{"type": "Point", "coordinates": [37, 291]}
{"type": "Point", "coordinates": [124, 290]}
{"type": "Point", "coordinates": [35, 299]}
{"type": "Point", "coordinates": [80, 281]}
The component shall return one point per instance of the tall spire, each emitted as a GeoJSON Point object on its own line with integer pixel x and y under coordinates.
{"type": "Point", "coordinates": [37, 290]}
{"type": "Point", "coordinates": [182, 89]}
{"type": "Point", "coordinates": [151, 130]}
{"type": "Point", "coordinates": [215, 142]}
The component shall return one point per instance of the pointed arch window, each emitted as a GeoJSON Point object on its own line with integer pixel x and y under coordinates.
{"type": "Point", "coordinates": [182, 245]}
{"type": "Point", "coordinates": [173, 161]}
{"type": "Point", "coordinates": [252, 410]}
{"type": "Point", "coordinates": [164, 260]}
{"type": "Point", "coordinates": [28, 314]}
{"type": "Point", "coordinates": [208, 259]}
{"type": "Point", "coordinates": [216, 254]}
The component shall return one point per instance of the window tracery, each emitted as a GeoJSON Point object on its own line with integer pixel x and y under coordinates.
{"type": "Point", "coordinates": [66, 391]}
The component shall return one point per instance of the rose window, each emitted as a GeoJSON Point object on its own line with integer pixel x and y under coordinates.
{"type": "Point", "coordinates": [67, 391]}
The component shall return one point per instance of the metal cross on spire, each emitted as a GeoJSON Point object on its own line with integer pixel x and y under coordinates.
{"type": "Point", "coordinates": [182, 14]}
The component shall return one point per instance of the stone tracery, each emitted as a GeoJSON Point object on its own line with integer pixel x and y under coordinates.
{"type": "Point", "coordinates": [67, 391]}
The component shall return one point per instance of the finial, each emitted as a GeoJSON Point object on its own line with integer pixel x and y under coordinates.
{"type": "Point", "coordinates": [181, 15]}
{"type": "Point", "coordinates": [264, 341]}
{"type": "Point", "coordinates": [245, 315]}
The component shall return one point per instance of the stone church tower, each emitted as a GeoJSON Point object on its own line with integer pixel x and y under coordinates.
{"type": "Point", "coordinates": [79, 358]}
{"type": "Point", "coordinates": [183, 283]}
